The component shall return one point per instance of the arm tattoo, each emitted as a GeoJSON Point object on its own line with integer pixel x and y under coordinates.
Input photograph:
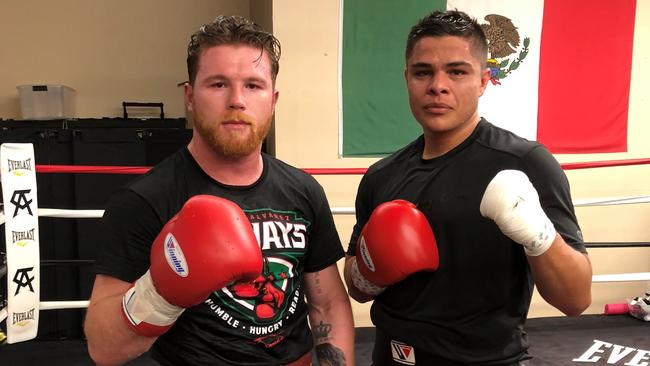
{"type": "Point", "coordinates": [317, 286]}
{"type": "Point", "coordinates": [327, 353]}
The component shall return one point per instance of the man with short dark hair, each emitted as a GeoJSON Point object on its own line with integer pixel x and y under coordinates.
{"type": "Point", "coordinates": [499, 211]}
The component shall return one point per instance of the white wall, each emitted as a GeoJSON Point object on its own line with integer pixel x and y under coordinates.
{"type": "Point", "coordinates": [108, 51]}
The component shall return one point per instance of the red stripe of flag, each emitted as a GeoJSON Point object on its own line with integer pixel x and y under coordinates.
{"type": "Point", "coordinates": [584, 75]}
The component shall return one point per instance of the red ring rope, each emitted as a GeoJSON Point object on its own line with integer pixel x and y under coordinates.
{"type": "Point", "coordinates": [602, 164]}
{"type": "Point", "coordinates": [90, 169]}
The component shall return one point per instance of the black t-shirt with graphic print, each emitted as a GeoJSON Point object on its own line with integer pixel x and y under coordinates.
{"type": "Point", "coordinates": [265, 324]}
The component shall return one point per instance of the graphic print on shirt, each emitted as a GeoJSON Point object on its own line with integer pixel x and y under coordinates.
{"type": "Point", "coordinates": [260, 309]}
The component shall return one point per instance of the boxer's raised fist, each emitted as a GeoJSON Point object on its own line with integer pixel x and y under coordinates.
{"type": "Point", "coordinates": [396, 242]}
{"type": "Point", "coordinates": [209, 244]}
{"type": "Point", "coordinates": [513, 203]}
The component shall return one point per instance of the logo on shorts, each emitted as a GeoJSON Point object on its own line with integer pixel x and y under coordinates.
{"type": "Point", "coordinates": [402, 353]}
{"type": "Point", "coordinates": [175, 257]}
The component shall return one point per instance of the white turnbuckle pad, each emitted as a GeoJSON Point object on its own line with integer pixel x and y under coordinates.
{"type": "Point", "coordinates": [18, 173]}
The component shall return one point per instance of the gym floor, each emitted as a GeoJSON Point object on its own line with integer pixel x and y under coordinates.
{"type": "Point", "coordinates": [588, 339]}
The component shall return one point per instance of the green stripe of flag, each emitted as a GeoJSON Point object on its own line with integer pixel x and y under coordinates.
{"type": "Point", "coordinates": [376, 116]}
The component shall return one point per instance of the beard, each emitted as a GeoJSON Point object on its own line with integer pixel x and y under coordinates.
{"type": "Point", "coordinates": [232, 144]}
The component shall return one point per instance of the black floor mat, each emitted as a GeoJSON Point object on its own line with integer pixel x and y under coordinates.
{"type": "Point", "coordinates": [588, 339]}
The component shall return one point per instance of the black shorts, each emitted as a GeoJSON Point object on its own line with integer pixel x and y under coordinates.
{"type": "Point", "coordinates": [392, 352]}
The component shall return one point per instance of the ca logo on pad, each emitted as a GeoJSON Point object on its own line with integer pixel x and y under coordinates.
{"type": "Point", "coordinates": [402, 353]}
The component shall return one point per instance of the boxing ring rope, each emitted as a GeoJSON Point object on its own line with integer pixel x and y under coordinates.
{"type": "Point", "coordinates": [66, 214]}
{"type": "Point", "coordinates": [91, 169]}
{"type": "Point", "coordinates": [94, 214]}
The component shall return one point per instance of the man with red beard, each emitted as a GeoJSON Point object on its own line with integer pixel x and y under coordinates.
{"type": "Point", "coordinates": [136, 305]}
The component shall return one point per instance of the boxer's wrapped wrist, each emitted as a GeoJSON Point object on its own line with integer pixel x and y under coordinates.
{"type": "Point", "coordinates": [361, 283]}
{"type": "Point", "coordinates": [513, 203]}
{"type": "Point", "coordinates": [529, 226]}
{"type": "Point", "coordinates": [142, 304]}
{"type": "Point", "coordinates": [542, 240]}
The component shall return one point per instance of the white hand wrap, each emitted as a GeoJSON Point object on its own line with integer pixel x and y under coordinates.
{"type": "Point", "coordinates": [142, 303]}
{"type": "Point", "coordinates": [362, 283]}
{"type": "Point", "coordinates": [513, 203]}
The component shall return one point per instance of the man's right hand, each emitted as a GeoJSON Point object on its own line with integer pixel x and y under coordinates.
{"type": "Point", "coordinates": [396, 242]}
{"type": "Point", "coordinates": [512, 201]}
{"type": "Point", "coordinates": [209, 244]}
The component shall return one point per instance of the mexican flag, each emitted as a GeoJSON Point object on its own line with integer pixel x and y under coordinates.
{"type": "Point", "coordinates": [561, 71]}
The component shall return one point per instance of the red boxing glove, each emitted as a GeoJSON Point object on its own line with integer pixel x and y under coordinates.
{"type": "Point", "coordinates": [396, 242]}
{"type": "Point", "coordinates": [209, 244]}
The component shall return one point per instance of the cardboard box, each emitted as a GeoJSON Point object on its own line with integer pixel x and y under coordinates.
{"type": "Point", "coordinates": [42, 102]}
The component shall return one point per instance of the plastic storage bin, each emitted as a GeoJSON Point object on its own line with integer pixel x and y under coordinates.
{"type": "Point", "coordinates": [42, 102]}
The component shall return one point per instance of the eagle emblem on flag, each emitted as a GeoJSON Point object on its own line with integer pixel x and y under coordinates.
{"type": "Point", "coordinates": [505, 53]}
